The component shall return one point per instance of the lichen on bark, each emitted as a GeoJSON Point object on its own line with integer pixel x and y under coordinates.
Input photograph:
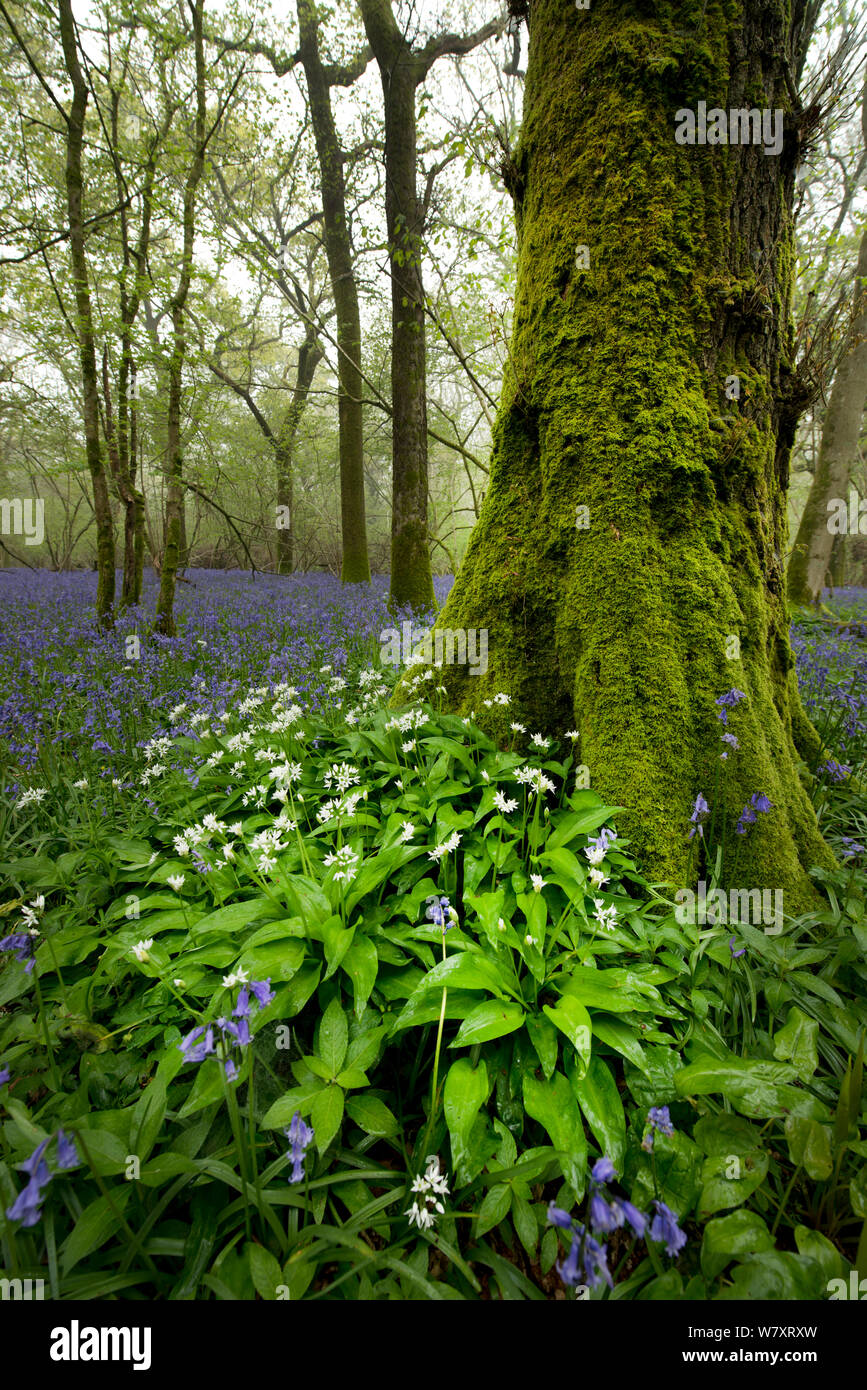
{"type": "Point", "coordinates": [615, 400]}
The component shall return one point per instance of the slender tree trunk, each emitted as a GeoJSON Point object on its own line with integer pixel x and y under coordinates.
{"type": "Point", "coordinates": [84, 317]}
{"type": "Point", "coordinates": [172, 554]}
{"type": "Point", "coordinates": [400, 72]}
{"type": "Point", "coordinates": [651, 274]}
{"type": "Point", "coordinates": [810, 566]}
{"type": "Point", "coordinates": [341, 268]}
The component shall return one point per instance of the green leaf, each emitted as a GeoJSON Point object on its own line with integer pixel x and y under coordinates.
{"type": "Point", "coordinates": [336, 940]}
{"type": "Point", "coordinates": [494, 1208]}
{"type": "Point", "coordinates": [810, 1145]}
{"type": "Point", "coordinates": [265, 1270]}
{"type": "Point", "coordinates": [796, 1043]}
{"type": "Point", "coordinates": [818, 1247]}
{"type": "Point", "coordinates": [756, 1088]}
{"type": "Point", "coordinates": [774, 1275]}
{"type": "Point", "coordinates": [94, 1227]}
{"type": "Point", "coordinates": [326, 1114]}
{"type": "Point", "coordinates": [425, 1008]}
{"type": "Point", "coordinates": [600, 1101]}
{"type": "Point", "coordinates": [466, 971]}
{"type": "Point", "coordinates": [147, 1118]}
{"type": "Point", "coordinates": [237, 915]}
{"type": "Point", "coordinates": [372, 1115]}
{"type": "Point", "coordinates": [543, 1036]}
{"type": "Point", "coordinates": [553, 1105]}
{"type": "Point", "coordinates": [622, 1038]}
{"type": "Point", "coordinates": [361, 964]}
{"type": "Point", "coordinates": [333, 1037]}
{"type": "Point", "coordinates": [573, 1020]}
{"type": "Point", "coordinates": [726, 1134]}
{"type": "Point", "coordinates": [300, 1098]}
{"type": "Point", "coordinates": [351, 1078]}
{"type": "Point", "coordinates": [466, 1090]}
{"type": "Point", "coordinates": [858, 1192]}
{"type": "Point", "coordinates": [729, 1179]}
{"type": "Point", "coordinates": [525, 1224]}
{"type": "Point", "coordinates": [728, 1237]}
{"type": "Point", "coordinates": [492, 1018]}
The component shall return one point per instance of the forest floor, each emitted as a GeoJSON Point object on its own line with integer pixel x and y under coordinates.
{"type": "Point", "coordinates": [247, 900]}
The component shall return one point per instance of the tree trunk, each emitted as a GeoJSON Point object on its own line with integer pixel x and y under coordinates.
{"type": "Point", "coordinates": [84, 317]}
{"type": "Point", "coordinates": [341, 269]}
{"type": "Point", "coordinates": [810, 567]}
{"type": "Point", "coordinates": [650, 274]}
{"type": "Point", "coordinates": [411, 579]}
{"type": "Point", "coordinates": [172, 553]}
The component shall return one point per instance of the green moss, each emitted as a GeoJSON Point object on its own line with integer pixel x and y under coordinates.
{"type": "Point", "coordinates": [614, 400]}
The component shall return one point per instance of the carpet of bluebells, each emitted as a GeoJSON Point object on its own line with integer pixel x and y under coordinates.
{"type": "Point", "coordinates": [302, 996]}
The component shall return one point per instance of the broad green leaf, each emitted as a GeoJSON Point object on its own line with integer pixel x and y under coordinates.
{"type": "Point", "coordinates": [620, 1037]}
{"type": "Point", "coordinates": [274, 960]}
{"type": "Point", "coordinates": [333, 1037]}
{"type": "Point", "coordinates": [810, 1144]}
{"type": "Point", "coordinates": [775, 1275]}
{"type": "Point", "coordinates": [729, 1179]}
{"type": "Point", "coordinates": [147, 1118]}
{"type": "Point", "coordinates": [425, 1008]}
{"type": "Point", "coordinates": [361, 964]}
{"type": "Point", "coordinates": [545, 1039]}
{"type": "Point", "coordinates": [600, 1101]}
{"type": "Point", "coordinates": [467, 970]}
{"type": "Point", "coordinates": [525, 1224]}
{"type": "Point", "coordinates": [728, 1237]}
{"type": "Point", "coordinates": [95, 1226]}
{"type": "Point", "coordinates": [492, 1018]}
{"type": "Point", "coordinates": [858, 1192]}
{"type": "Point", "coordinates": [372, 1115]}
{"type": "Point", "coordinates": [237, 915]}
{"type": "Point", "coordinates": [466, 1090]}
{"type": "Point", "coordinates": [796, 1043]}
{"type": "Point", "coordinates": [554, 1106]}
{"type": "Point", "coordinates": [301, 1098]}
{"type": "Point", "coordinates": [818, 1247]}
{"type": "Point", "coordinates": [326, 1113]}
{"type": "Point", "coordinates": [726, 1134]}
{"type": "Point", "coordinates": [494, 1208]}
{"type": "Point", "coordinates": [573, 1020]}
{"type": "Point", "coordinates": [755, 1088]}
{"type": "Point", "coordinates": [265, 1270]}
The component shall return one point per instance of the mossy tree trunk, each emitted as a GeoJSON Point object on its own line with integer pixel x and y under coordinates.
{"type": "Point", "coordinates": [616, 401]}
{"type": "Point", "coordinates": [74, 178]}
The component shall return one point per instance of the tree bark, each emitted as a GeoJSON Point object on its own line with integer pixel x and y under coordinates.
{"type": "Point", "coordinates": [172, 552]}
{"type": "Point", "coordinates": [84, 316]}
{"type": "Point", "coordinates": [810, 566]}
{"type": "Point", "coordinates": [341, 268]}
{"type": "Point", "coordinates": [616, 401]}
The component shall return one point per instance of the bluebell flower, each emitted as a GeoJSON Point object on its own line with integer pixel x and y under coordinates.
{"type": "Point", "coordinates": [758, 802]}
{"type": "Point", "coordinates": [659, 1121]}
{"type": "Point", "coordinates": [198, 1044]}
{"type": "Point", "coordinates": [732, 743]}
{"type": "Point", "coordinates": [727, 702]}
{"type": "Point", "coordinates": [242, 1007]}
{"type": "Point", "coordinates": [699, 811]}
{"type": "Point", "coordinates": [637, 1220]}
{"type": "Point", "coordinates": [21, 943]}
{"type": "Point", "coordinates": [602, 1216]}
{"type": "Point", "coordinates": [735, 953]}
{"type": "Point", "coordinates": [558, 1217]}
{"type": "Point", "coordinates": [5, 1075]}
{"type": "Point", "coordinates": [438, 912]}
{"type": "Point", "coordinates": [67, 1154]}
{"type": "Point", "coordinates": [838, 772]}
{"type": "Point", "coordinates": [35, 1166]}
{"type": "Point", "coordinates": [262, 991]}
{"type": "Point", "coordinates": [568, 1268]}
{"type": "Point", "coordinates": [300, 1137]}
{"type": "Point", "coordinates": [603, 1170]}
{"type": "Point", "coordinates": [664, 1228]}
{"type": "Point", "coordinates": [26, 1207]}
{"type": "Point", "coordinates": [851, 847]}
